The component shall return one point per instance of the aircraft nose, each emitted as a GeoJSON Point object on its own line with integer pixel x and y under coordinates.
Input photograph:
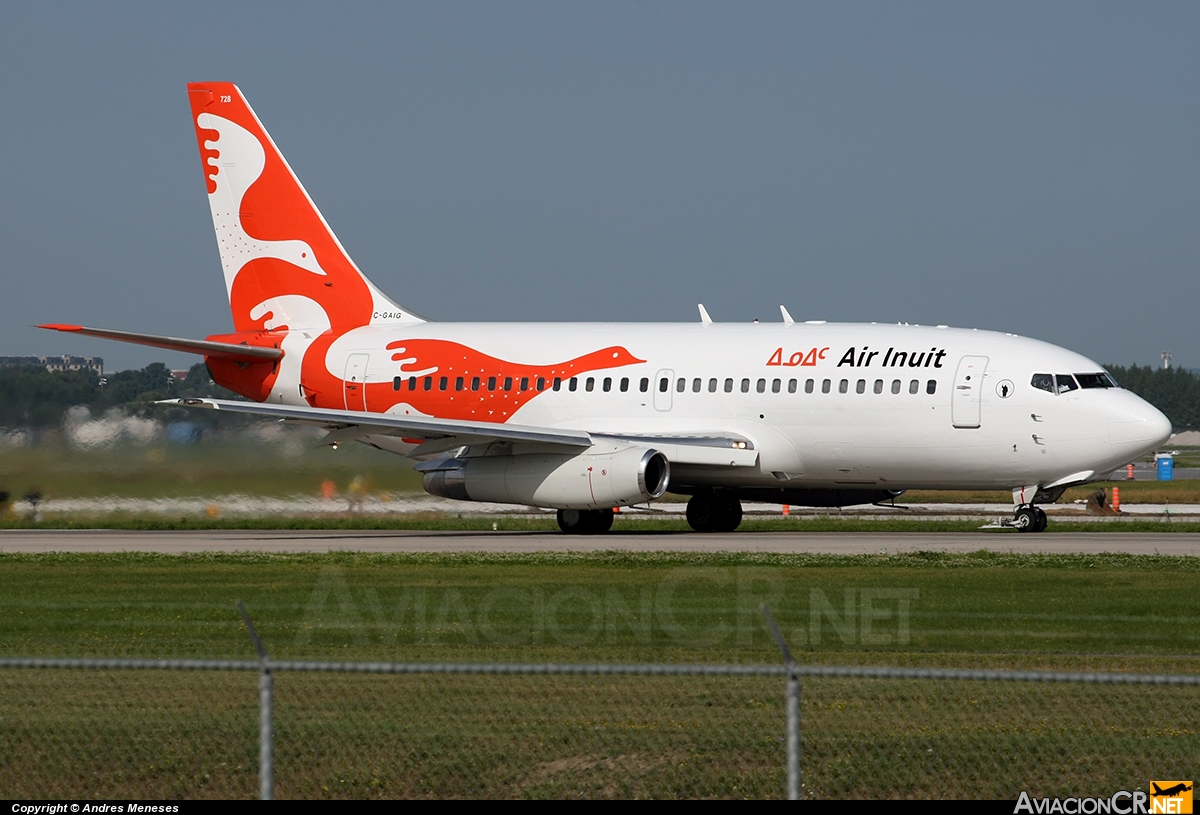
{"type": "Point", "coordinates": [1136, 429]}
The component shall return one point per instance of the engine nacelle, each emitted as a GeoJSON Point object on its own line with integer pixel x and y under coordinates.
{"type": "Point", "coordinates": [584, 481]}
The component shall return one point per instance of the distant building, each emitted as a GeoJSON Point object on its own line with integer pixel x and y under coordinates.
{"type": "Point", "coordinates": [57, 363]}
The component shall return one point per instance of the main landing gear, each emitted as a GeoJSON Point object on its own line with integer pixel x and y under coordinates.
{"type": "Point", "coordinates": [1029, 518]}
{"type": "Point", "coordinates": [713, 512]}
{"type": "Point", "coordinates": [585, 521]}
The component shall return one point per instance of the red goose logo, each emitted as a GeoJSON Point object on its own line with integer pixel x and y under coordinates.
{"type": "Point", "coordinates": [453, 381]}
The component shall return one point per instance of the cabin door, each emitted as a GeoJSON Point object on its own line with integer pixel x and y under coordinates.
{"type": "Point", "coordinates": [968, 391]}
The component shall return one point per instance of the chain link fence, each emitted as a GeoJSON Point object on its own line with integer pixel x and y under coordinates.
{"type": "Point", "coordinates": [191, 729]}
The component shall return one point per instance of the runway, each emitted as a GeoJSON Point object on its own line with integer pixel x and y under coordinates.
{"type": "Point", "coordinates": [840, 543]}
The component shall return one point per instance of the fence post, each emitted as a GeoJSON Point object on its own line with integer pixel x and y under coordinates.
{"type": "Point", "coordinates": [792, 699]}
{"type": "Point", "coordinates": [266, 712]}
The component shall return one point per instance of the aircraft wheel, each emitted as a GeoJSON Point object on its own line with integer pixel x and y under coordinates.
{"type": "Point", "coordinates": [573, 521]}
{"type": "Point", "coordinates": [602, 521]}
{"type": "Point", "coordinates": [730, 516]}
{"type": "Point", "coordinates": [1042, 520]}
{"type": "Point", "coordinates": [702, 512]}
{"type": "Point", "coordinates": [1025, 519]}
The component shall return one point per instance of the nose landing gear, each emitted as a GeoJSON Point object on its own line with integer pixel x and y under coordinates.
{"type": "Point", "coordinates": [1029, 518]}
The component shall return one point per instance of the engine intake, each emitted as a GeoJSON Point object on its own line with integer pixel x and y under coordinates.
{"type": "Point", "coordinates": [584, 481]}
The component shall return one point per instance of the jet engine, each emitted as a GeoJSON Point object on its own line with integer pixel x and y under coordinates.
{"type": "Point", "coordinates": [583, 481]}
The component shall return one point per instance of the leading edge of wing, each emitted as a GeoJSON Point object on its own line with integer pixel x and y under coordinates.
{"type": "Point", "coordinates": [418, 427]}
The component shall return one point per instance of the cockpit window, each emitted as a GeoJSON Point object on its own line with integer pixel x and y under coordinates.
{"type": "Point", "coordinates": [1065, 382]}
{"type": "Point", "coordinates": [1043, 382]}
{"type": "Point", "coordinates": [1100, 380]}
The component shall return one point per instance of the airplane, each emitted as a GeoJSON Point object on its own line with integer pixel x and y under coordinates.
{"type": "Point", "coordinates": [584, 418]}
{"type": "Point", "coordinates": [1170, 792]}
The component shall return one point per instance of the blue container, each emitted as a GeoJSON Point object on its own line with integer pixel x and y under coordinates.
{"type": "Point", "coordinates": [1165, 464]}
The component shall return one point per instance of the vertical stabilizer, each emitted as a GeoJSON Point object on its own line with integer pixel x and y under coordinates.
{"type": "Point", "coordinates": [284, 267]}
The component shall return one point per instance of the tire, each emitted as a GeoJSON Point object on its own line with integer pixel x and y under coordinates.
{"type": "Point", "coordinates": [1025, 519]}
{"type": "Point", "coordinates": [702, 512]}
{"type": "Point", "coordinates": [602, 521]}
{"type": "Point", "coordinates": [573, 521]}
{"type": "Point", "coordinates": [730, 516]}
{"type": "Point", "coordinates": [1042, 520]}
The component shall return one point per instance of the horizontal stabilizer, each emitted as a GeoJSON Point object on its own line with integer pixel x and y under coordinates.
{"type": "Point", "coordinates": [206, 347]}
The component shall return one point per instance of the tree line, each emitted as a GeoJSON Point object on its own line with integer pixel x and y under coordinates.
{"type": "Point", "coordinates": [1174, 391]}
{"type": "Point", "coordinates": [31, 396]}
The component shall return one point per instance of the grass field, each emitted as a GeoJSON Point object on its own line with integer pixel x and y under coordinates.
{"type": "Point", "coordinates": [193, 734]}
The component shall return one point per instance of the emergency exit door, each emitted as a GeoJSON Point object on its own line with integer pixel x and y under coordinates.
{"type": "Point", "coordinates": [355, 383]}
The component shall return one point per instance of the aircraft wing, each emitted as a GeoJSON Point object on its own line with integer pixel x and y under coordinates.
{"type": "Point", "coordinates": [349, 424]}
{"type": "Point", "coordinates": [436, 436]}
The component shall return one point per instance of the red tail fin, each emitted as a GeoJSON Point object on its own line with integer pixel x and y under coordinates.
{"type": "Point", "coordinates": [284, 267]}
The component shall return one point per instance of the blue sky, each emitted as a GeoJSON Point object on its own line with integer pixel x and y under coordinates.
{"type": "Point", "coordinates": [1027, 167]}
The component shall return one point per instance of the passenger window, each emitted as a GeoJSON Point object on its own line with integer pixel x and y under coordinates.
{"type": "Point", "coordinates": [808, 385]}
{"type": "Point", "coordinates": [879, 386]}
{"type": "Point", "coordinates": [572, 384]}
{"type": "Point", "coordinates": [429, 383]}
{"type": "Point", "coordinates": [745, 386]}
{"type": "Point", "coordinates": [524, 383]}
{"type": "Point", "coordinates": [914, 386]}
{"type": "Point", "coordinates": [761, 387]}
{"type": "Point", "coordinates": [931, 386]}
{"type": "Point", "coordinates": [860, 386]}
{"type": "Point", "coordinates": [541, 383]}
{"type": "Point", "coordinates": [712, 386]}
{"type": "Point", "coordinates": [663, 385]}
{"type": "Point", "coordinates": [491, 383]}
{"type": "Point", "coordinates": [680, 385]}
{"type": "Point", "coordinates": [844, 386]}
{"type": "Point", "coordinates": [1065, 382]}
{"type": "Point", "coordinates": [696, 385]}
{"type": "Point", "coordinates": [825, 386]}
{"type": "Point", "coordinates": [607, 385]}
{"type": "Point", "coordinates": [557, 383]}
{"type": "Point", "coordinates": [775, 384]}
{"type": "Point", "coordinates": [412, 383]}
{"type": "Point", "coordinates": [624, 384]}
{"type": "Point", "coordinates": [895, 386]}
{"type": "Point", "coordinates": [590, 384]}
{"type": "Point", "coordinates": [729, 386]}
{"type": "Point", "coordinates": [396, 384]}
{"type": "Point", "coordinates": [791, 386]}
{"type": "Point", "coordinates": [442, 383]}
{"type": "Point", "coordinates": [475, 383]}
{"type": "Point", "coordinates": [508, 383]}
{"type": "Point", "coordinates": [644, 385]}
{"type": "Point", "coordinates": [458, 383]}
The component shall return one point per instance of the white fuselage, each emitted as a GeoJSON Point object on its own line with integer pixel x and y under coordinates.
{"type": "Point", "coordinates": [825, 405]}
